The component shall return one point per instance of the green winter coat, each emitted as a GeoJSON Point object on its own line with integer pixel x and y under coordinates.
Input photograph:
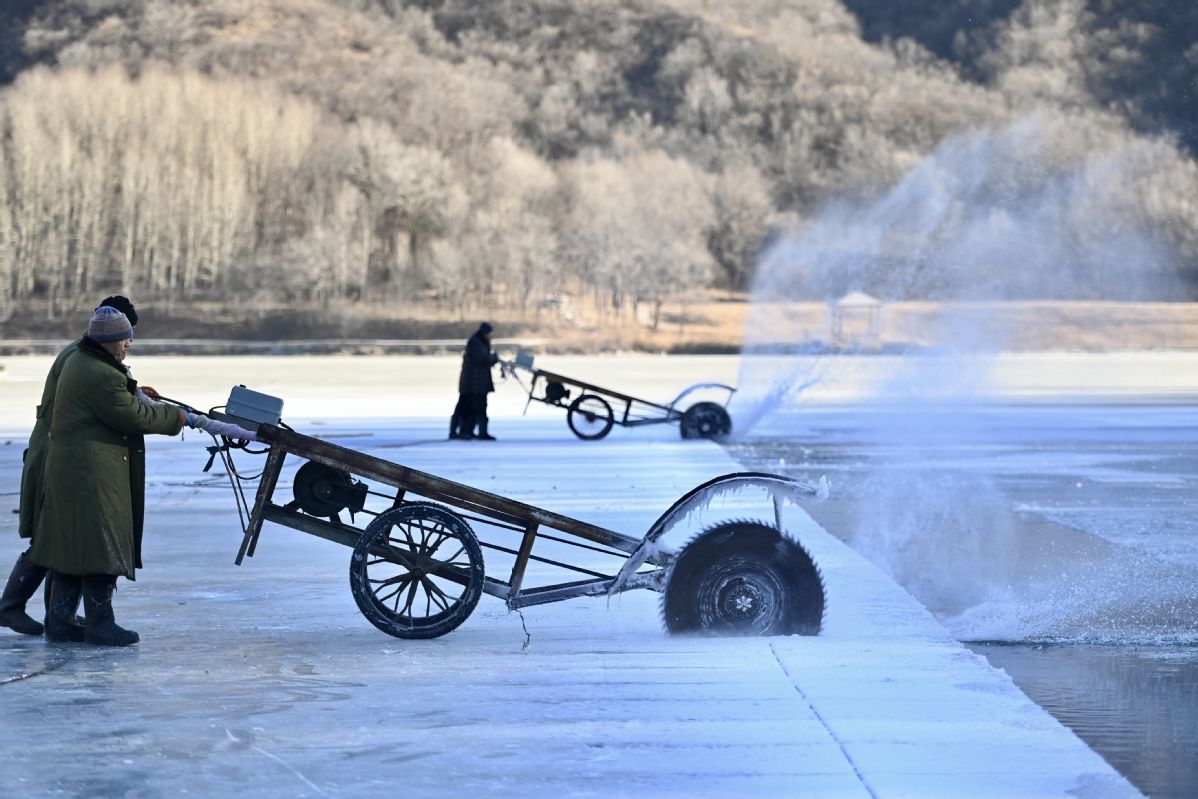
{"type": "Point", "coordinates": [95, 468]}
{"type": "Point", "coordinates": [39, 443]}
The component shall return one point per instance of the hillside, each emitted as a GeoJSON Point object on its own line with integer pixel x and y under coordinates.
{"type": "Point", "coordinates": [612, 155]}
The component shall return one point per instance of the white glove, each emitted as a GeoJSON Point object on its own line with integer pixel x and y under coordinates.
{"type": "Point", "coordinates": [228, 430]}
{"type": "Point", "coordinates": [197, 420]}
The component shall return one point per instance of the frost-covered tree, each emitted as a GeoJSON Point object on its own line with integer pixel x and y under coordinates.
{"type": "Point", "coordinates": [741, 207]}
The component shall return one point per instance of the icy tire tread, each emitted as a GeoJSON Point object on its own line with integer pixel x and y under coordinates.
{"type": "Point", "coordinates": [743, 578]}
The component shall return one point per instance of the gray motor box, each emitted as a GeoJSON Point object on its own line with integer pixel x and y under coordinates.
{"type": "Point", "coordinates": [524, 359]}
{"type": "Point", "coordinates": [254, 406]}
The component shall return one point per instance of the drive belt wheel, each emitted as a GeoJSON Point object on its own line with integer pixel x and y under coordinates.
{"type": "Point", "coordinates": [320, 489]}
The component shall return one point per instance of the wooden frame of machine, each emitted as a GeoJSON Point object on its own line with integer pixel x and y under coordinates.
{"type": "Point", "coordinates": [417, 566]}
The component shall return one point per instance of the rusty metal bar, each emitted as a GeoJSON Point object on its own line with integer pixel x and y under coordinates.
{"type": "Point", "coordinates": [439, 489]}
{"type": "Point", "coordinates": [596, 389]}
{"type": "Point", "coordinates": [555, 593]}
{"type": "Point", "coordinates": [270, 477]}
{"type": "Point", "coordinates": [627, 412]}
{"type": "Point", "coordinates": [539, 559]}
{"type": "Point", "coordinates": [530, 535]}
{"type": "Point", "coordinates": [344, 534]}
{"type": "Point", "coordinates": [496, 588]}
{"type": "Point", "coordinates": [329, 531]}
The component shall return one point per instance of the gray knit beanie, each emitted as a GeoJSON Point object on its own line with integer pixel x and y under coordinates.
{"type": "Point", "coordinates": [109, 324]}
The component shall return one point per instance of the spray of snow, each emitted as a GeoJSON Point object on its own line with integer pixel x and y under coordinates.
{"type": "Point", "coordinates": [1124, 600]}
{"type": "Point", "coordinates": [758, 496]}
{"type": "Point", "coordinates": [740, 495]}
{"type": "Point", "coordinates": [988, 217]}
{"type": "Point", "coordinates": [993, 216]}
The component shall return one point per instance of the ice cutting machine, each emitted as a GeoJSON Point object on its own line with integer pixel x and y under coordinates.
{"type": "Point", "coordinates": [417, 565]}
{"type": "Point", "coordinates": [595, 410]}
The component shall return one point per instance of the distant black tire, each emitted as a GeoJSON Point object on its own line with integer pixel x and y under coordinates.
{"type": "Point", "coordinates": [417, 571]}
{"type": "Point", "coordinates": [590, 417]}
{"type": "Point", "coordinates": [743, 578]}
{"type": "Point", "coordinates": [705, 420]}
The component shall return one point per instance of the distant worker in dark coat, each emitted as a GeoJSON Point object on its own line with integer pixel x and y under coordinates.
{"type": "Point", "coordinates": [26, 575]}
{"type": "Point", "coordinates": [474, 384]}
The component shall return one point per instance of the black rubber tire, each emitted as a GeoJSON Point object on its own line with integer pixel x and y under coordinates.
{"type": "Point", "coordinates": [584, 412]}
{"type": "Point", "coordinates": [410, 547]}
{"type": "Point", "coordinates": [743, 578]}
{"type": "Point", "coordinates": [705, 420]}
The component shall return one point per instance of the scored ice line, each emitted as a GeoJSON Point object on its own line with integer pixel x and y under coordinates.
{"type": "Point", "coordinates": [848, 758]}
{"type": "Point", "coordinates": [278, 760]}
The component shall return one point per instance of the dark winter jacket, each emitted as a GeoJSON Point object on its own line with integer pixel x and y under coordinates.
{"type": "Point", "coordinates": [39, 443]}
{"type": "Point", "coordinates": [89, 519]}
{"type": "Point", "coordinates": [477, 361]}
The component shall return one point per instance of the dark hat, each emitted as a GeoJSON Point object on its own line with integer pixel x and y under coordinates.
{"type": "Point", "coordinates": [109, 324]}
{"type": "Point", "coordinates": [122, 304]}
{"type": "Point", "coordinates": [485, 328]}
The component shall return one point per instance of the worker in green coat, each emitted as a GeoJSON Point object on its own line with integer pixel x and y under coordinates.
{"type": "Point", "coordinates": [26, 575]}
{"type": "Point", "coordinates": [87, 524]}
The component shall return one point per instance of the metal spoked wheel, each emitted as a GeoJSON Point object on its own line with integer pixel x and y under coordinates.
{"type": "Point", "coordinates": [417, 571]}
{"type": "Point", "coordinates": [590, 417]}
{"type": "Point", "coordinates": [743, 578]}
{"type": "Point", "coordinates": [705, 420]}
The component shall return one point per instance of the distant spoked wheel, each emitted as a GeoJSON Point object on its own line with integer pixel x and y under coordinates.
{"type": "Point", "coordinates": [590, 417]}
{"type": "Point", "coordinates": [743, 578]}
{"type": "Point", "coordinates": [417, 571]}
{"type": "Point", "coordinates": [705, 420]}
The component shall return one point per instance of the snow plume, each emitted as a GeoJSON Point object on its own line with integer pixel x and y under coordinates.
{"type": "Point", "coordinates": [1119, 599]}
{"type": "Point", "coordinates": [1046, 208]}
{"type": "Point", "coordinates": [1051, 207]}
{"type": "Point", "coordinates": [946, 537]}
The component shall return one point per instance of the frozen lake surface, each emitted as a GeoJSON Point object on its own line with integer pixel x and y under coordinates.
{"type": "Point", "coordinates": [1055, 530]}
{"type": "Point", "coordinates": [264, 680]}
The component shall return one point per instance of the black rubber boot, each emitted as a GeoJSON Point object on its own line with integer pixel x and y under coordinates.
{"type": "Point", "coordinates": [483, 435]}
{"type": "Point", "coordinates": [64, 601]}
{"type": "Point", "coordinates": [48, 591]}
{"type": "Point", "coordinates": [25, 578]}
{"type": "Point", "coordinates": [101, 627]}
{"type": "Point", "coordinates": [457, 420]}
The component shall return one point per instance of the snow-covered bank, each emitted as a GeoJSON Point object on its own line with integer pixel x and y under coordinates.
{"type": "Point", "coordinates": [265, 681]}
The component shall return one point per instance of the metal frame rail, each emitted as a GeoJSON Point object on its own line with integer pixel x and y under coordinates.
{"type": "Point", "coordinates": [668, 412]}
{"type": "Point", "coordinates": [501, 512]}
